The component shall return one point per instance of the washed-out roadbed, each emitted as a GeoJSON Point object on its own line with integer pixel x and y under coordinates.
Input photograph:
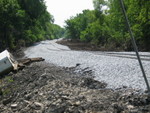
{"type": "Point", "coordinates": [46, 88]}
{"type": "Point", "coordinates": [117, 71]}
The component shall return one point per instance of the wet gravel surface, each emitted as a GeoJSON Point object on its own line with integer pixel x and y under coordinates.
{"type": "Point", "coordinates": [115, 71]}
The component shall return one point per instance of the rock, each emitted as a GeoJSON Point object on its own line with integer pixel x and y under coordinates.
{"type": "Point", "coordinates": [37, 106]}
{"type": "Point", "coordinates": [28, 96]}
{"type": "Point", "coordinates": [130, 107]}
{"type": "Point", "coordinates": [13, 106]}
{"type": "Point", "coordinates": [27, 102]}
{"type": "Point", "coordinates": [134, 111]}
{"type": "Point", "coordinates": [41, 94]}
{"type": "Point", "coordinates": [145, 110]}
{"type": "Point", "coordinates": [7, 101]}
{"type": "Point", "coordinates": [77, 103]}
{"type": "Point", "coordinates": [60, 109]}
{"type": "Point", "coordinates": [124, 86]}
{"type": "Point", "coordinates": [65, 98]}
{"type": "Point", "coordinates": [78, 64]}
{"type": "Point", "coordinates": [118, 108]}
{"type": "Point", "coordinates": [92, 84]}
{"type": "Point", "coordinates": [57, 102]}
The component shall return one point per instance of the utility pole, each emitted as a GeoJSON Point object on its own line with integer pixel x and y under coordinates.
{"type": "Point", "coordinates": [134, 45]}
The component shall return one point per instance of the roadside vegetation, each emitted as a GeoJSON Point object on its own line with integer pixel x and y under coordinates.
{"type": "Point", "coordinates": [105, 27]}
{"type": "Point", "coordinates": [24, 22]}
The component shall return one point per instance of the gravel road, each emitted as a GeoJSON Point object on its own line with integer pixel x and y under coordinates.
{"type": "Point", "coordinates": [117, 69]}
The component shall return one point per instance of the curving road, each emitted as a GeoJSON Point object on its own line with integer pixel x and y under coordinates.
{"type": "Point", "coordinates": [115, 68]}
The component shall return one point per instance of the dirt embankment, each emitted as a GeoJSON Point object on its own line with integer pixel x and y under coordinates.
{"type": "Point", "coordinates": [45, 88]}
{"type": "Point", "coordinates": [78, 45]}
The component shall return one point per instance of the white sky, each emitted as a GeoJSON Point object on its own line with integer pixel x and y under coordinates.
{"type": "Point", "coordinates": [64, 9]}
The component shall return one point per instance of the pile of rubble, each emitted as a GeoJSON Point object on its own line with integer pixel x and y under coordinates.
{"type": "Point", "coordinates": [45, 88]}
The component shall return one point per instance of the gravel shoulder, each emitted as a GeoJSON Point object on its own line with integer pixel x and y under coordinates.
{"type": "Point", "coordinates": [45, 88]}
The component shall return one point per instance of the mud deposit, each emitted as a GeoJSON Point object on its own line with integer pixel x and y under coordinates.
{"type": "Point", "coordinates": [45, 88]}
{"type": "Point", "coordinates": [78, 45]}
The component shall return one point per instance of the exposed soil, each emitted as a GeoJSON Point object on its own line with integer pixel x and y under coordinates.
{"type": "Point", "coordinates": [78, 45]}
{"type": "Point", "coordinates": [45, 88]}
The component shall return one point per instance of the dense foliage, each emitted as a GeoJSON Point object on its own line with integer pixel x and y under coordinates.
{"type": "Point", "coordinates": [107, 28]}
{"type": "Point", "coordinates": [23, 22]}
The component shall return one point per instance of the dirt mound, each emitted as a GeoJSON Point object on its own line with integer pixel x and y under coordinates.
{"type": "Point", "coordinates": [79, 45]}
{"type": "Point", "coordinates": [45, 88]}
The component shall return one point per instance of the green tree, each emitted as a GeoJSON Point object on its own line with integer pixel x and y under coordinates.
{"type": "Point", "coordinates": [11, 17]}
{"type": "Point", "coordinates": [24, 22]}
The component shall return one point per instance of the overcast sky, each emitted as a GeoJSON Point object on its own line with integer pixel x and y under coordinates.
{"type": "Point", "coordinates": [64, 9]}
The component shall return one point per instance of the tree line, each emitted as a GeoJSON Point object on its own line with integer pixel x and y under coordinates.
{"type": "Point", "coordinates": [107, 28]}
{"type": "Point", "coordinates": [23, 22]}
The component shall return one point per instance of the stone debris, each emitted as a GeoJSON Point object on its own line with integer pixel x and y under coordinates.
{"type": "Point", "coordinates": [37, 106]}
{"type": "Point", "coordinates": [130, 107]}
{"type": "Point", "coordinates": [115, 71]}
{"type": "Point", "coordinates": [60, 91]}
{"type": "Point", "coordinates": [14, 106]}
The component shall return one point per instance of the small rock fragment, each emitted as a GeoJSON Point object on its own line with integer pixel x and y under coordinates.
{"type": "Point", "coordinates": [13, 106]}
{"type": "Point", "coordinates": [7, 101]}
{"type": "Point", "coordinates": [78, 64]}
{"type": "Point", "coordinates": [130, 107]}
{"type": "Point", "coordinates": [27, 102]}
{"type": "Point", "coordinates": [77, 103]}
{"type": "Point", "coordinates": [37, 106]}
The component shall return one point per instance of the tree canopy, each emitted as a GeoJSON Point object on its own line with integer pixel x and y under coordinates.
{"type": "Point", "coordinates": [107, 28]}
{"type": "Point", "coordinates": [24, 22]}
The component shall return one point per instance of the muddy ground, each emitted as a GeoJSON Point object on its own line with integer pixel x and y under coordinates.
{"type": "Point", "coordinates": [46, 88]}
{"type": "Point", "coordinates": [78, 45]}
